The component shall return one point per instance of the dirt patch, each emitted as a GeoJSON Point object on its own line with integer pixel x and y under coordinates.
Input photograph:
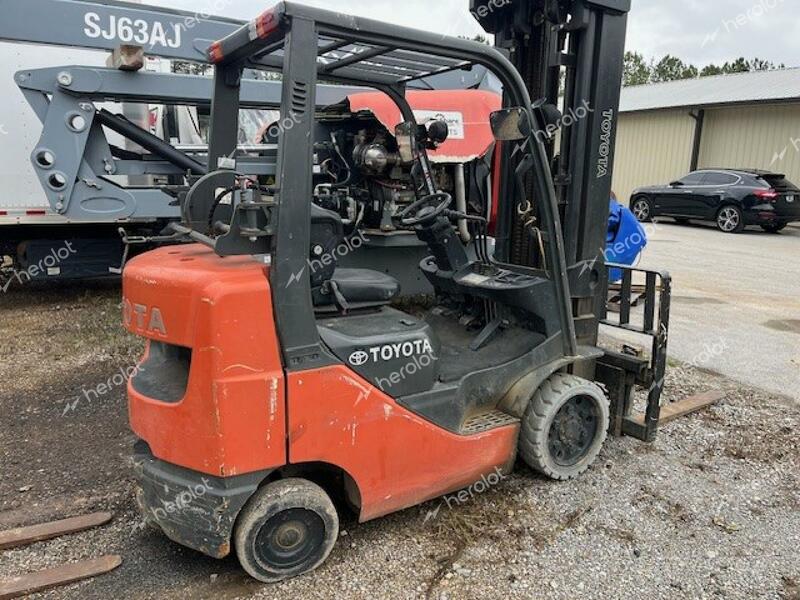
{"type": "Point", "coordinates": [788, 325]}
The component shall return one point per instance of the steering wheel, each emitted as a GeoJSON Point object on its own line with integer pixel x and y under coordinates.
{"type": "Point", "coordinates": [425, 210]}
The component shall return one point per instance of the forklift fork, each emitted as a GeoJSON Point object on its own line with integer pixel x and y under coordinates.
{"type": "Point", "coordinates": [623, 372]}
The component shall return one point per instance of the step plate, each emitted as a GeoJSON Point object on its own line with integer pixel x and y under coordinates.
{"type": "Point", "coordinates": [487, 421]}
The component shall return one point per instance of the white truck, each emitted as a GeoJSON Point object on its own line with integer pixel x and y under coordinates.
{"type": "Point", "coordinates": [78, 36]}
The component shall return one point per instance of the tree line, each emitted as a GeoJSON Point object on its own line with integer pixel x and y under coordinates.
{"type": "Point", "coordinates": [639, 71]}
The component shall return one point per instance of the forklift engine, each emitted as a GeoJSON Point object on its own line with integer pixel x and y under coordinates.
{"type": "Point", "coordinates": [362, 174]}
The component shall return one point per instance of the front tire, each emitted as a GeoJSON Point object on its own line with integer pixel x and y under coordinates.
{"type": "Point", "coordinates": [287, 528]}
{"type": "Point", "coordinates": [730, 219]}
{"type": "Point", "coordinates": [642, 209]}
{"type": "Point", "coordinates": [564, 427]}
{"type": "Point", "coordinates": [774, 227]}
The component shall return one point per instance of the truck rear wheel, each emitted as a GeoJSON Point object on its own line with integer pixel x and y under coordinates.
{"type": "Point", "coordinates": [564, 427]}
{"type": "Point", "coordinates": [287, 528]}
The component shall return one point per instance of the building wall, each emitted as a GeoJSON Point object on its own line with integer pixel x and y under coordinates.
{"type": "Point", "coordinates": [655, 147]}
{"type": "Point", "coordinates": [759, 136]}
{"type": "Point", "coordinates": [652, 147]}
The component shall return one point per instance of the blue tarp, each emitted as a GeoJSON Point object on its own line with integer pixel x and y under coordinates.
{"type": "Point", "coordinates": [625, 240]}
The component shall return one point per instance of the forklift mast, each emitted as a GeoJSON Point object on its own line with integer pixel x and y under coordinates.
{"type": "Point", "coordinates": [570, 54]}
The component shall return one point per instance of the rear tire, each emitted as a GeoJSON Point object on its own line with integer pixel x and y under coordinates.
{"type": "Point", "coordinates": [642, 209]}
{"type": "Point", "coordinates": [774, 227]}
{"type": "Point", "coordinates": [730, 219]}
{"type": "Point", "coordinates": [564, 427]}
{"type": "Point", "coordinates": [287, 528]}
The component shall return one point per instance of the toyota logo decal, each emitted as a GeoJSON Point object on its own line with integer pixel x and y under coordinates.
{"type": "Point", "coordinates": [359, 358]}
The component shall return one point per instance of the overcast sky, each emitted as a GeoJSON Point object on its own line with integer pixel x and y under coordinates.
{"type": "Point", "coordinates": [698, 31]}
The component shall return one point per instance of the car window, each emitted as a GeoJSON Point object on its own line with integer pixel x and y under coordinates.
{"type": "Point", "coordinates": [693, 179]}
{"type": "Point", "coordinates": [720, 179]}
{"type": "Point", "coordinates": [779, 182]}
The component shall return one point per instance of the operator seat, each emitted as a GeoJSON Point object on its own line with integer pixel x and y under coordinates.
{"type": "Point", "coordinates": [336, 289]}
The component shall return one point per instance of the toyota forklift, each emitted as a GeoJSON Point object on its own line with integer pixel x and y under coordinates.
{"type": "Point", "coordinates": [277, 386]}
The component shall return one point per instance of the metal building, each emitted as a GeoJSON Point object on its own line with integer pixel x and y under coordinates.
{"type": "Point", "coordinates": [749, 120]}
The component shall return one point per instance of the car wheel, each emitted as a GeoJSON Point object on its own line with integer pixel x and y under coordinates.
{"type": "Point", "coordinates": [287, 528]}
{"type": "Point", "coordinates": [730, 219]}
{"type": "Point", "coordinates": [773, 227]}
{"type": "Point", "coordinates": [564, 427]}
{"type": "Point", "coordinates": [642, 209]}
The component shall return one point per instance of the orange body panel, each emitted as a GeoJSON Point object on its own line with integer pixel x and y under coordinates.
{"type": "Point", "coordinates": [396, 458]}
{"type": "Point", "coordinates": [232, 419]}
{"type": "Point", "coordinates": [240, 411]}
{"type": "Point", "coordinates": [474, 108]}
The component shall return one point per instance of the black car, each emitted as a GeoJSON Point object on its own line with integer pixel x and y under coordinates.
{"type": "Point", "coordinates": [732, 198]}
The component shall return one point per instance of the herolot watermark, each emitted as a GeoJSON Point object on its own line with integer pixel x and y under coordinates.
{"type": "Point", "coordinates": [478, 13]}
{"type": "Point", "coordinates": [572, 116]}
{"type": "Point", "coordinates": [743, 19]}
{"type": "Point", "coordinates": [779, 156]}
{"type": "Point", "coordinates": [567, 120]}
{"type": "Point", "coordinates": [102, 389]}
{"type": "Point", "coordinates": [322, 259]}
{"type": "Point", "coordinates": [621, 246]}
{"type": "Point", "coordinates": [755, 12]}
{"type": "Point", "coordinates": [181, 501]}
{"type": "Point", "coordinates": [48, 265]}
{"type": "Point", "coordinates": [484, 10]}
{"type": "Point", "coordinates": [483, 485]}
{"type": "Point", "coordinates": [710, 351]}
{"type": "Point", "coordinates": [417, 364]}
{"type": "Point", "coordinates": [287, 123]}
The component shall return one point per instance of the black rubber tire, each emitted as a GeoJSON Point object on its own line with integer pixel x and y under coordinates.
{"type": "Point", "coordinates": [642, 219]}
{"type": "Point", "coordinates": [548, 400]}
{"type": "Point", "coordinates": [284, 497]}
{"type": "Point", "coordinates": [740, 215]}
{"type": "Point", "coordinates": [774, 228]}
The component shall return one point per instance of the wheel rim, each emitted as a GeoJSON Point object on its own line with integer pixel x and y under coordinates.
{"type": "Point", "coordinates": [573, 430]}
{"type": "Point", "coordinates": [728, 219]}
{"type": "Point", "coordinates": [291, 538]}
{"type": "Point", "coordinates": [641, 209]}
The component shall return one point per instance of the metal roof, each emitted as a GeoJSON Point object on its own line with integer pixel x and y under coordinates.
{"type": "Point", "coordinates": [740, 88]}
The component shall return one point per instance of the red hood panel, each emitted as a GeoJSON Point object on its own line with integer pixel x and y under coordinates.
{"type": "Point", "coordinates": [466, 111]}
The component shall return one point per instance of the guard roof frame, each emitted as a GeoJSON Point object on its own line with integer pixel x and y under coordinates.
{"type": "Point", "coordinates": [306, 44]}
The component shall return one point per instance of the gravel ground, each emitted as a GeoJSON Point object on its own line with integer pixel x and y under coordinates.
{"type": "Point", "coordinates": [709, 510]}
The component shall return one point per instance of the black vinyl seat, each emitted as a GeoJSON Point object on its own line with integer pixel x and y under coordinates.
{"type": "Point", "coordinates": [335, 289]}
{"type": "Point", "coordinates": [355, 289]}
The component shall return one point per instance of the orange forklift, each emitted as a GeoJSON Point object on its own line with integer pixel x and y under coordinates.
{"type": "Point", "coordinates": [277, 386]}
